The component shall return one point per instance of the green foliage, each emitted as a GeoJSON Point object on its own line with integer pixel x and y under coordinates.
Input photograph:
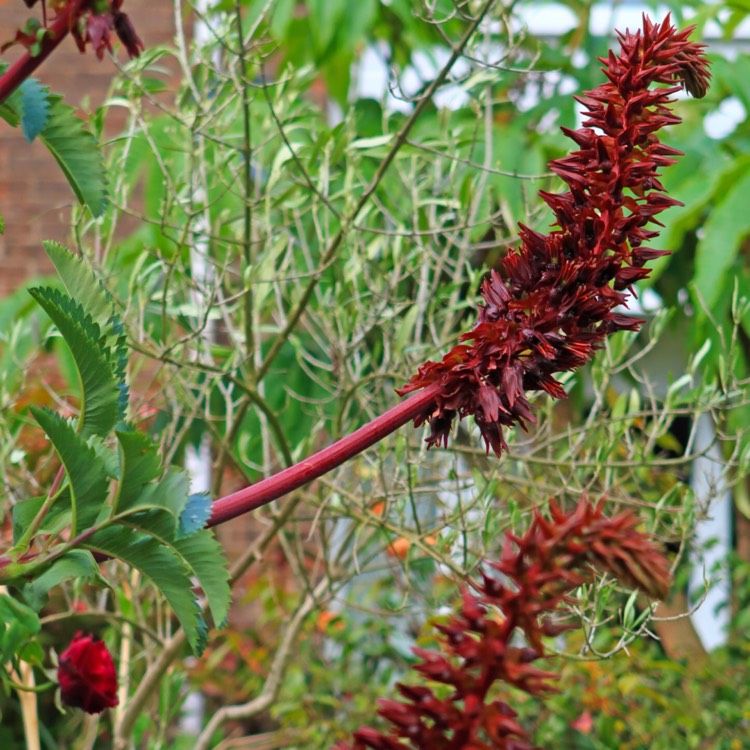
{"type": "Point", "coordinates": [82, 285]}
{"type": "Point", "coordinates": [18, 625]}
{"type": "Point", "coordinates": [158, 562]}
{"type": "Point", "coordinates": [123, 503]}
{"type": "Point", "coordinates": [78, 565]}
{"type": "Point", "coordinates": [140, 466]}
{"type": "Point", "coordinates": [52, 521]}
{"type": "Point", "coordinates": [45, 115]}
{"type": "Point", "coordinates": [198, 551]}
{"type": "Point", "coordinates": [85, 470]}
{"type": "Point", "coordinates": [33, 108]}
{"type": "Point", "coordinates": [77, 154]}
{"type": "Point", "coordinates": [100, 390]}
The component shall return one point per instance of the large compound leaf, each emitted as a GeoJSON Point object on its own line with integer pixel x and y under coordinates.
{"type": "Point", "coordinates": [85, 470]}
{"type": "Point", "coordinates": [81, 282]}
{"type": "Point", "coordinates": [84, 287]}
{"type": "Point", "coordinates": [32, 103]}
{"type": "Point", "coordinates": [158, 507]}
{"type": "Point", "coordinates": [100, 389]}
{"type": "Point", "coordinates": [164, 567]}
{"type": "Point", "coordinates": [77, 563]}
{"type": "Point", "coordinates": [77, 153]}
{"type": "Point", "coordinates": [138, 489]}
{"type": "Point", "coordinates": [200, 552]}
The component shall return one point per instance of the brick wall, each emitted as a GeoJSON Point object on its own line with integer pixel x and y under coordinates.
{"type": "Point", "coordinates": [35, 199]}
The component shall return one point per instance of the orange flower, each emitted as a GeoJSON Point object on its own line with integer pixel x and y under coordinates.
{"type": "Point", "coordinates": [584, 723]}
{"type": "Point", "coordinates": [399, 548]}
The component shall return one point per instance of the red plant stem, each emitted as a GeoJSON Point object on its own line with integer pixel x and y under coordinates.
{"type": "Point", "coordinates": [23, 68]}
{"type": "Point", "coordinates": [249, 498]}
{"type": "Point", "coordinates": [272, 488]}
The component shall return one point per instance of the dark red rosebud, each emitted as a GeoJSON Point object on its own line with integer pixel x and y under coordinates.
{"type": "Point", "coordinates": [87, 675]}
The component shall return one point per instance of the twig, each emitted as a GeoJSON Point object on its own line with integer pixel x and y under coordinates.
{"type": "Point", "coordinates": [23, 68]}
{"type": "Point", "coordinates": [273, 682]}
{"type": "Point", "coordinates": [347, 221]}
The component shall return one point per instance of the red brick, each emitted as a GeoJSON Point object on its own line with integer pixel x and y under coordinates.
{"type": "Point", "coordinates": [35, 198]}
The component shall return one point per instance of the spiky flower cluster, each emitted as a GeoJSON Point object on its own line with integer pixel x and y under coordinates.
{"type": "Point", "coordinates": [90, 22]}
{"type": "Point", "coordinates": [520, 594]}
{"type": "Point", "coordinates": [553, 303]}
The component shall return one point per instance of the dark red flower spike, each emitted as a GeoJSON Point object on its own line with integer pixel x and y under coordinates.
{"type": "Point", "coordinates": [519, 595]}
{"type": "Point", "coordinates": [90, 22]}
{"type": "Point", "coordinates": [553, 302]}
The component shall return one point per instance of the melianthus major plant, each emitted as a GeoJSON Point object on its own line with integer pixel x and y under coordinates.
{"type": "Point", "coordinates": [548, 308]}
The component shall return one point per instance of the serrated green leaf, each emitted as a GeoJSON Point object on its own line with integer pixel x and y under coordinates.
{"type": "Point", "coordinates": [195, 515]}
{"type": "Point", "coordinates": [8, 113]}
{"type": "Point", "coordinates": [59, 516]}
{"type": "Point", "coordinates": [120, 364]}
{"type": "Point", "coordinates": [33, 109]}
{"type": "Point", "coordinates": [200, 552]}
{"type": "Point", "coordinates": [82, 284]}
{"type": "Point", "coordinates": [139, 465]}
{"type": "Point", "coordinates": [77, 153]}
{"type": "Point", "coordinates": [85, 470]}
{"type": "Point", "coordinates": [169, 494]}
{"type": "Point", "coordinates": [100, 391]}
{"type": "Point", "coordinates": [87, 290]}
{"type": "Point", "coordinates": [77, 563]}
{"type": "Point", "coordinates": [164, 567]}
{"type": "Point", "coordinates": [205, 556]}
{"type": "Point", "coordinates": [108, 457]}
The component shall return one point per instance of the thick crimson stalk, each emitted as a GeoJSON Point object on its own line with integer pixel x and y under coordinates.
{"type": "Point", "coordinates": [23, 68]}
{"type": "Point", "coordinates": [272, 488]}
